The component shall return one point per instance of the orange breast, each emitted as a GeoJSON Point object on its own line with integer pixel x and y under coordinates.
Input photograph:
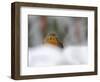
{"type": "Point", "coordinates": [53, 42]}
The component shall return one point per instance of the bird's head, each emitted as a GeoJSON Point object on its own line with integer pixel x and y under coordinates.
{"type": "Point", "coordinates": [51, 38]}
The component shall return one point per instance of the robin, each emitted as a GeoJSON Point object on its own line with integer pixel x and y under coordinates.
{"type": "Point", "coordinates": [52, 38]}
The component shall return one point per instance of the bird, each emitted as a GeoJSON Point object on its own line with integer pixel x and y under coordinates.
{"type": "Point", "coordinates": [52, 39]}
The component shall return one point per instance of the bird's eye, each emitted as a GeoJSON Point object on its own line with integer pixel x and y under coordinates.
{"type": "Point", "coordinates": [50, 38]}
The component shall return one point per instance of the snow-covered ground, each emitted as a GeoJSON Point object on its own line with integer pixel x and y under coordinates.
{"type": "Point", "coordinates": [47, 55]}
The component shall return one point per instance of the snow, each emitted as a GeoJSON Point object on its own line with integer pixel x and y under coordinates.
{"type": "Point", "coordinates": [48, 55]}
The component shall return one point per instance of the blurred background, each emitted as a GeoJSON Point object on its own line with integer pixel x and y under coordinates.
{"type": "Point", "coordinates": [70, 30]}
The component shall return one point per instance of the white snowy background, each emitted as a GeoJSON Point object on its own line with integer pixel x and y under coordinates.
{"type": "Point", "coordinates": [47, 55]}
